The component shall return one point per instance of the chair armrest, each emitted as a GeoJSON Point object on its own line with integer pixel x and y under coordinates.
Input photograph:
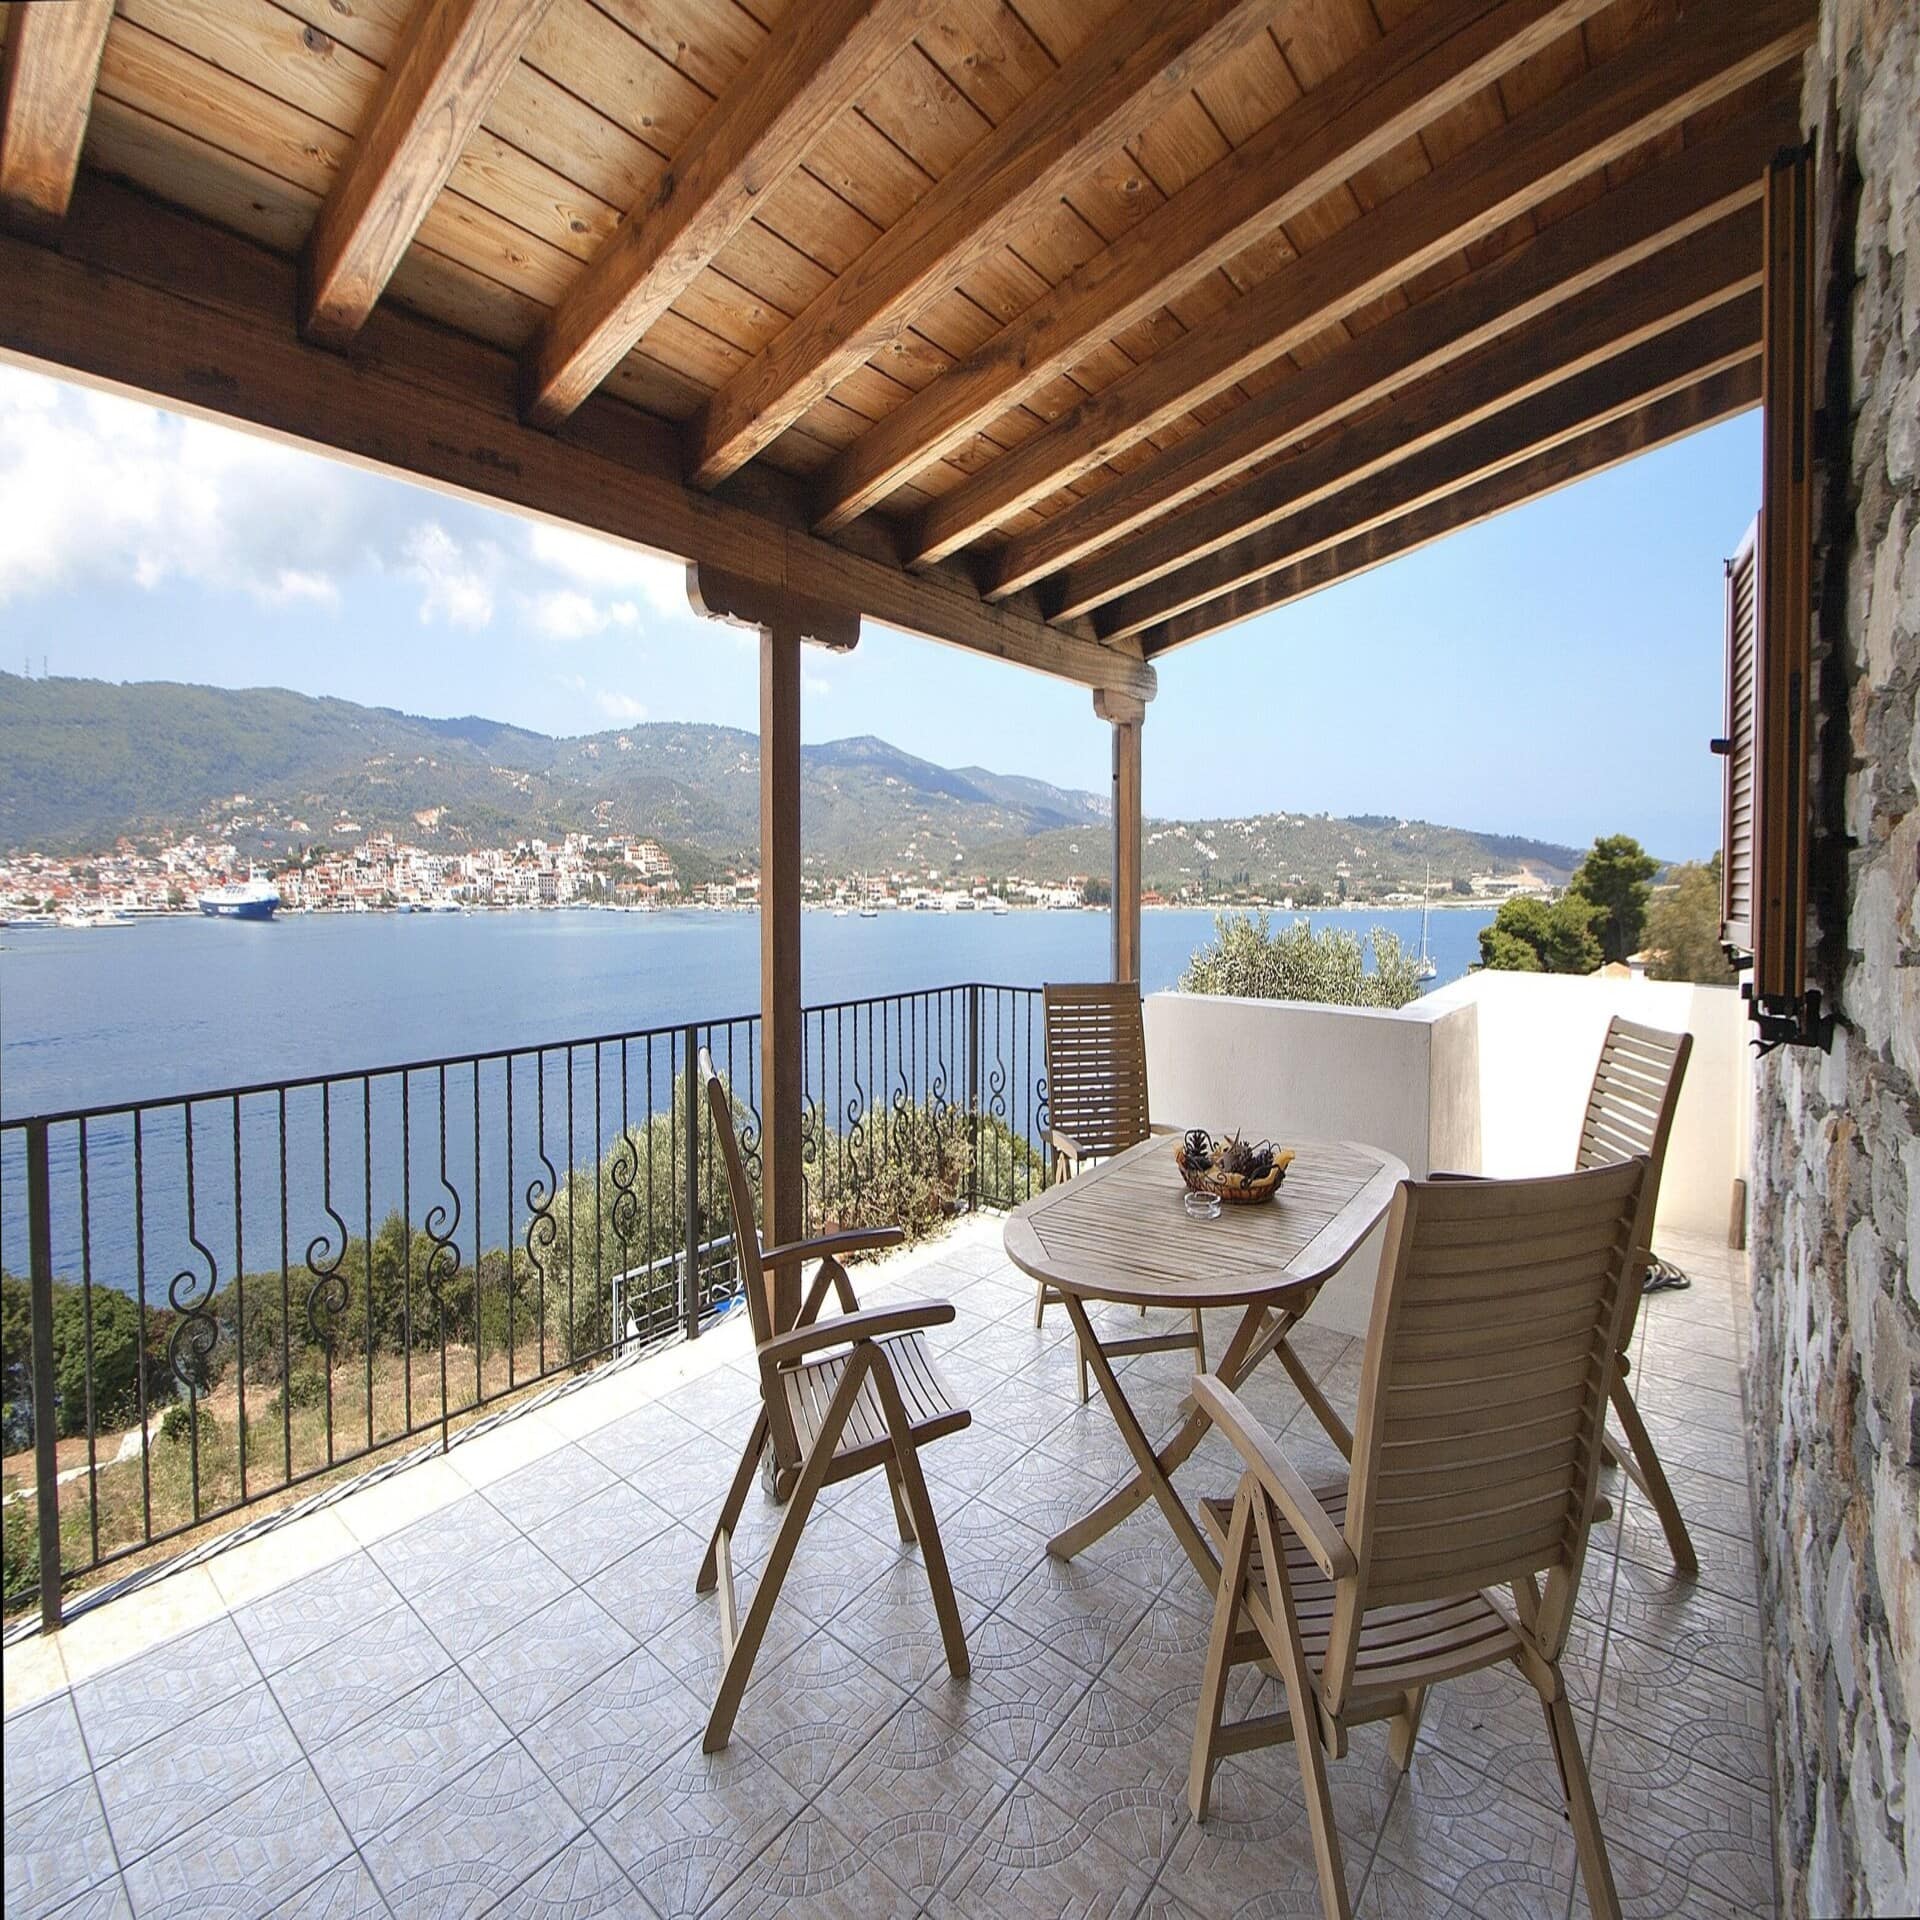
{"type": "Point", "coordinates": [873, 1323]}
{"type": "Point", "coordinates": [1158, 1127]}
{"type": "Point", "coordinates": [1302, 1512]}
{"type": "Point", "coordinates": [1064, 1144]}
{"type": "Point", "coordinates": [833, 1246]}
{"type": "Point", "coordinates": [1459, 1176]}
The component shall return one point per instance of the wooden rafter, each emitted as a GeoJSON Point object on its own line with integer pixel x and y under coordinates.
{"type": "Point", "coordinates": [46, 97]}
{"type": "Point", "coordinates": [451, 61]}
{"type": "Point", "coordinates": [1421, 70]}
{"type": "Point", "coordinates": [811, 67]}
{"type": "Point", "coordinates": [156, 302]}
{"type": "Point", "coordinates": [1649, 89]}
{"type": "Point", "coordinates": [1701, 273]}
{"type": "Point", "coordinates": [1707, 344]}
{"type": "Point", "coordinates": [1611, 236]}
{"type": "Point", "coordinates": [1136, 64]}
{"type": "Point", "coordinates": [1717, 398]}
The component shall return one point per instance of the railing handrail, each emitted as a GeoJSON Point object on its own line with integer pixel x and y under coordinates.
{"type": "Point", "coordinates": [67, 1116]}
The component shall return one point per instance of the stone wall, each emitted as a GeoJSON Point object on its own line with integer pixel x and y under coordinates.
{"type": "Point", "coordinates": [1836, 1199]}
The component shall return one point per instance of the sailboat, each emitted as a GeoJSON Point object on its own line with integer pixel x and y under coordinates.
{"type": "Point", "coordinates": [1424, 967]}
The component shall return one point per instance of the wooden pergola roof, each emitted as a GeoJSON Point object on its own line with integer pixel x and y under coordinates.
{"type": "Point", "coordinates": [1065, 330]}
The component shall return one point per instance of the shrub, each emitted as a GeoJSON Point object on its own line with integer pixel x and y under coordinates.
{"type": "Point", "coordinates": [1250, 958]}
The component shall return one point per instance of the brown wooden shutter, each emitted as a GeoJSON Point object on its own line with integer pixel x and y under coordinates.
{"type": "Point", "coordinates": [1783, 665]}
{"type": "Point", "coordinates": [1736, 839]}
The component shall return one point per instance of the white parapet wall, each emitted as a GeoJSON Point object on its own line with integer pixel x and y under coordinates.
{"type": "Point", "coordinates": [1489, 1075]}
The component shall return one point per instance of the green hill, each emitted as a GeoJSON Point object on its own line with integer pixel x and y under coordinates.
{"type": "Point", "coordinates": [84, 763]}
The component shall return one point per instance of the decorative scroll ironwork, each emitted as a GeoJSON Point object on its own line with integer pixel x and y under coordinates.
{"type": "Point", "coordinates": [543, 1229]}
{"type": "Point", "coordinates": [196, 1334]}
{"type": "Point", "coordinates": [442, 1224]}
{"type": "Point", "coordinates": [329, 1293]}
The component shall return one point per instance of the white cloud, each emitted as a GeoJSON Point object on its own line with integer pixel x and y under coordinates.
{"type": "Point", "coordinates": [565, 613]}
{"type": "Point", "coordinates": [589, 561]}
{"type": "Point", "coordinates": [622, 707]}
{"type": "Point", "coordinates": [814, 684]}
{"type": "Point", "coordinates": [456, 584]}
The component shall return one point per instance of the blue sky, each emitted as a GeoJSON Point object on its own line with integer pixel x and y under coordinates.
{"type": "Point", "coordinates": [1555, 672]}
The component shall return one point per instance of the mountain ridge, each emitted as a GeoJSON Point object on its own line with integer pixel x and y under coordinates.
{"type": "Point", "coordinates": [85, 763]}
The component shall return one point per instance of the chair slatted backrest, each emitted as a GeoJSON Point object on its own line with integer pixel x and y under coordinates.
{"type": "Point", "coordinates": [1495, 1332]}
{"type": "Point", "coordinates": [1636, 1090]}
{"type": "Point", "coordinates": [754, 1281]}
{"type": "Point", "coordinates": [1096, 1065]}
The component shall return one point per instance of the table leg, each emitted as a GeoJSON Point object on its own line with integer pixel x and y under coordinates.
{"type": "Point", "coordinates": [1154, 1467]}
{"type": "Point", "coordinates": [1318, 1404]}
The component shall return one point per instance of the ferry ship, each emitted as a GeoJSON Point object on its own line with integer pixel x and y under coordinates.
{"type": "Point", "coordinates": [255, 899]}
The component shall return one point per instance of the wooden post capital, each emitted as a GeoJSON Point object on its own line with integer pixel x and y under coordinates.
{"type": "Point", "coordinates": [743, 602]}
{"type": "Point", "coordinates": [1122, 709]}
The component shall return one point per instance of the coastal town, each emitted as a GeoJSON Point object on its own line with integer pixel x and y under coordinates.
{"type": "Point", "coordinates": [377, 872]}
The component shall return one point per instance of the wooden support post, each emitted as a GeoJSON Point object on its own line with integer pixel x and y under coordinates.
{"type": "Point", "coordinates": [784, 622]}
{"type": "Point", "coordinates": [1125, 713]}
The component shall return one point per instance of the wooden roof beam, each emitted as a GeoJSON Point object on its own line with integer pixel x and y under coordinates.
{"type": "Point", "coordinates": [1609, 237]}
{"type": "Point", "coordinates": [1699, 274]}
{"type": "Point", "coordinates": [151, 301]}
{"type": "Point", "coordinates": [46, 98]}
{"type": "Point", "coordinates": [814, 64]}
{"type": "Point", "coordinates": [1649, 88]}
{"type": "Point", "coordinates": [1422, 69]}
{"type": "Point", "coordinates": [452, 58]}
{"type": "Point", "coordinates": [1707, 344]}
{"type": "Point", "coordinates": [1717, 398]}
{"type": "Point", "coordinates": [1132, 68]}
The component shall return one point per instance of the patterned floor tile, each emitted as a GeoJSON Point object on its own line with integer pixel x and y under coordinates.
{"type": "Point", "coordinates": [581, 1882]}
{"type": "Point", "coordinates": [419, 1557]}
{"type": "Point", "coordinates": [601, 1742]}
{"type": "Point", "coordinates": [691, 1481]}
{"type": "Point", "coordinates": [1498, 1890]}
{"type": "Point", "coordinates": [988, 1552]}
{"type": "Point", "coordinates": [696, 1823]}
{"type": "Point", "coordinates": [42, 1749]}
{"type": "Point", "coordinates": [651, 1587]}
{"type": "Point", "coordinates": [604, 1527]}
{"type": "Point", "coordinates": [1041, 1492]}
{"type": "Point", "coordinates": [835, 1563]}
{"type": "Point", "coordinates": [547, 1656]}
{"type": "Point", "coordinates": [161, 1789]}
{"type": "Point", "coordinates": [1025, 1410]}
{"type": "Point", "coordinates": [813, 1868]}
{"type": "Point", "coordinates": [892, 1625]}
{"type": "Point", "coordinates": [634, 1441]}
{"type": "Point", "coordinates": [1017, 1695]}
{"type": "Point", "coordinates": [1085, 1612]}
{"type": "Point", "coordinates": [810, 1713]}
{"type": "Point", "coordinates": [360, 1675]}
{"type": "Point", "coordinates": [56, 1847]}
{"type": "Point", "coordinates": [721, 1402]}
{"type": "Point", "coordinates": [918, 1795]}
{"type": "Point", "coordinates": [971, 1459]}
{"type": "Point", "coordinates": [390, 1764]}
{"type": "Point", "coordinates": [1033, 1859]}
{"type": "Point", "coordinates": [249, 1857]}
{"type": "Point", "coordinates": [490, 1596]}
{"type": "Point", "coordinates": [1120, 1766]}
{"type": "Point", "coordinates": [344, 1892]}
{"type": "Point", "coordinates": [106, 1901]}
{"type": "Point", "coordinates": [549, 1486]}
{"type": "Point", "coordinates": [300, 1618]}
{"type": "Point", "coordinates": [128, 1705]}
{"type": "Point", "coordinates": [473, 1842]}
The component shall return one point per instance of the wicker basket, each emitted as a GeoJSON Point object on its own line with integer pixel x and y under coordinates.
{"type": "Point", "coordinates": [1234, 1188]}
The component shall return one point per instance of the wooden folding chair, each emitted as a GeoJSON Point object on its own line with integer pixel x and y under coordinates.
{"type": "Point", "coordinates": [1630, 1109]}
{"type": "Point", "coordinates": [838, 1397]}
{"type": "Point", "coordinates": [1096, 1042]}
{"type": "Point", "coordinates": [1496, 1329]}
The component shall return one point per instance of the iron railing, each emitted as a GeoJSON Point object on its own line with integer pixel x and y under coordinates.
{"type": "Point", "coordinates": [236, 1293]}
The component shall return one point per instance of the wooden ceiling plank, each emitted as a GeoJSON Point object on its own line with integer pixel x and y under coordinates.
{"type": "Point", "coordinates": [1718, 47]}
{"type": "Point", "coordinates": [1680, 357]}
{"type": "Point", "coordinates": [1130, 70]}
{"type": "Point", "coordinates": [1714, 399]}
{"type": "Point", "coordinates": [47, 73]}
{"type": "Point", "coordinates": [809, 69]}
{"type": "Point", "coordinates": [1682, 281]}
{"type": "Point", "coordinates": [148, 300]}
{"type": "Point", "coordinates": [449, 64]}
{"type": "Point", "coordinates": [1296, 159]}
{"type": "Point", "coordinates": [1608, 237]}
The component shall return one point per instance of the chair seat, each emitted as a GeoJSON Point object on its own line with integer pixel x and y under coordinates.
{"type": "Point", "coordinates": [1401, 1647]}
{"type": "Point", "coordinates": [931, 1411]}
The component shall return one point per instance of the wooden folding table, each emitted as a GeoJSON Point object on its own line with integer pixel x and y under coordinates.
{"type": "Point", "coordinates": [1120, 1232]}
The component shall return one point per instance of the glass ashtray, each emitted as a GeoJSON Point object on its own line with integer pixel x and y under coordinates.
{"type": "Point", "coordinates": [1201, 1206]}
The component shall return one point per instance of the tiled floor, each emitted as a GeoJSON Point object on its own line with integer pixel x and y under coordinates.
{"type": "Point", "coordinates": [479, 1687]}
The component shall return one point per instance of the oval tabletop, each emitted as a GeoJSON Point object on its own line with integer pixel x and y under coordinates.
{"type": "Point", "coordinates": [1119, 1230]}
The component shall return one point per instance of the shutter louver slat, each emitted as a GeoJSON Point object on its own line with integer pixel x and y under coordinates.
{"type": "Point", "coordinates": [1736, 903]}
